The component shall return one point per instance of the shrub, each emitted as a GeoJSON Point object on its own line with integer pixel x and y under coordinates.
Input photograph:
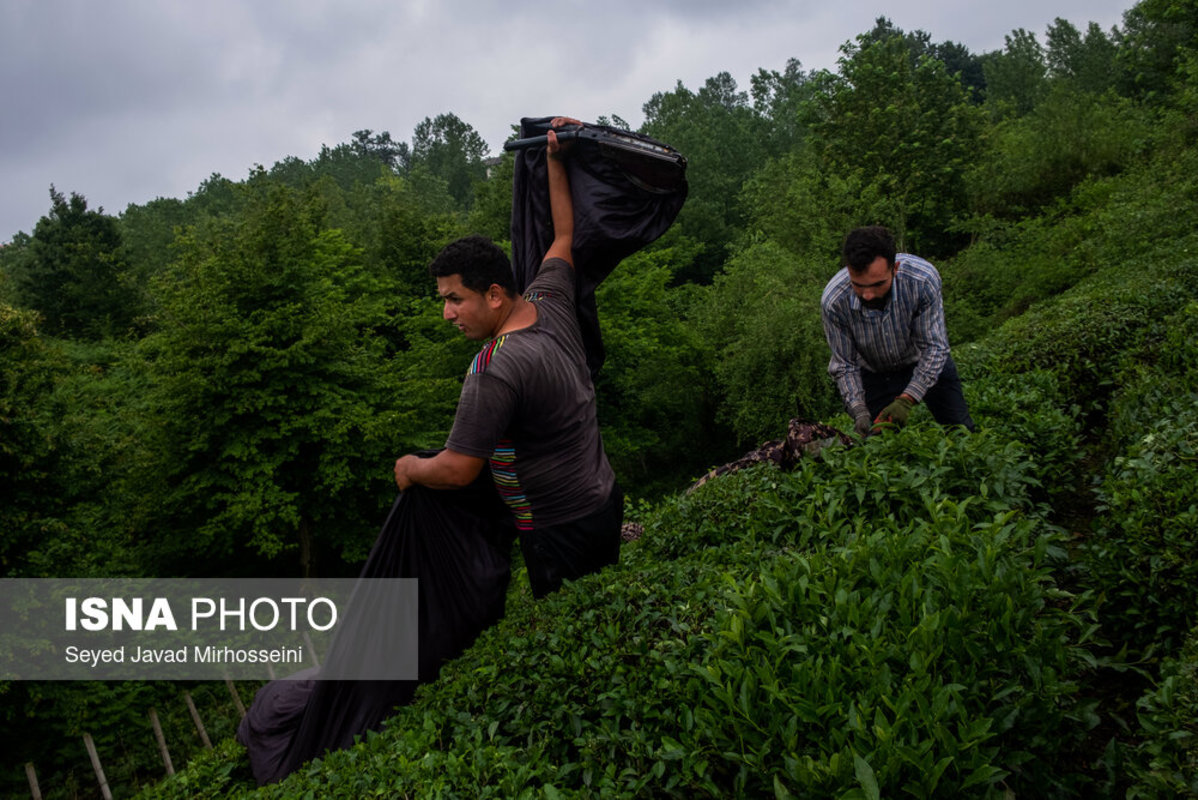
{"type": "Point", "coordinates": [761, 316]}
{"type": "Point", "coordinates": [1144, 551]}
{"type": "Point", "coordinates": [882, 620]}
{"type": "Point", "coordinates": [1033, 410]}
{"type": "Point", "coordinates": [1082, 335]}
{"type": "Point", "coordinates": [920, 659]}
{"type": "Point", "coordinates": [1167, 764]}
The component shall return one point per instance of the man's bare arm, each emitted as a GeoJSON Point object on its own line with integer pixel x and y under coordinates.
{"type": "Point", "coordinates": [446, 470]}
{"type": "Point", "coordinates": [561, 204]}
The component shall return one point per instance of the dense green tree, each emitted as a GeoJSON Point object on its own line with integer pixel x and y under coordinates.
{"type": "Point", "coordinates": [395, 156]}
{"type": "Point", "coordinates": [778, 98]}
{"type": "Point", "coordinates": [266, 385]}
{"type": "Point", "coordinates": [75, 274]}
{"type": "Point", "coordinates": [761, 315]}
{"type": "Point", "coordinates": [655, 435]}
{"type": "Point", "coordinates": [1016, 76]}
{"type": "Point", "coordinates": [907, 129]}
{"type": "Point", "coordinates": [1186, 98]}
{"type": "Point", "coordinates": [917, 42]}
{"type": "Point", "coordinates": [449, 149]}
{"type": "Point", "coordinates": [346, 164]}
{"type": "Point", "coordinates": [797, 203]}
{"type": "Point", "coordinates": [1035, 160]}
{"type": "Point", "coordinates": [105, 476]}
{"type": "Point", "coordinates": [149, 231]}
{"type": "Point", "coordinates": [960, 61]}
{"type": "Point", "coordinates": [70, 436]}
{"type": "Point", "coordinates": [715, 128]}
{"type": "Point", "coordinates": [216, 196]}
{"type": "Point", "coordinates": [491, 212]}
{"type": "Point", "coordinates": [364, 159]}
{"type": "Point", "coordinates": [1156, 34]}
{"type": "Point", "coordinates": [399, 231]}
{"type": "Point", "coordinates": [28, 369]}
{"type": "Point", "coordinates": [14, 264]}
{"type": "Point", "coordinates": [957, 58]}
{"type": "Point", "coordinates": [1086, 63]}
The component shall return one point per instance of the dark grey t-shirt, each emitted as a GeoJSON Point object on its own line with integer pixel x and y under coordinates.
{"type": "Point", "coordinates": [528, 406]}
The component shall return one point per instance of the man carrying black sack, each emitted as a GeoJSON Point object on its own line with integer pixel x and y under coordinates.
{"type": "Point", "coordinates": [528, 404]}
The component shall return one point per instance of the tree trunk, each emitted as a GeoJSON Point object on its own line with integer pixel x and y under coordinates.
{"type": "Point", "coordinates": [305, 536]}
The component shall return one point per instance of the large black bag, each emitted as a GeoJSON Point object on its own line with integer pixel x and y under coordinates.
{"type": "Point", "coordinates": [627, 189]}
{"type": "Point", "coordinates": [458, 544]}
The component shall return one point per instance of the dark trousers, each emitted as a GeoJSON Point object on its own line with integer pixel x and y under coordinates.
{"type": "Point", "coordinates": [568, 551]}
{"type": "Point", "coordinates": [945, 399]}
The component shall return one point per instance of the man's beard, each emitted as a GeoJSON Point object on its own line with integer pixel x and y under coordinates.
{"type": "Point", "coordinates": [878, 303]}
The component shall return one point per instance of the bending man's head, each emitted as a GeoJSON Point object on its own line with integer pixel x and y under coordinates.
{"type": "Point", "coordinates": [869, 254]}
{"type": "Point", "coordinates": [863, 246]}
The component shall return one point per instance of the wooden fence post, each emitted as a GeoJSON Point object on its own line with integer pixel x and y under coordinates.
{"type": "Point", "coordinates": [166, 754]}
{"type": "Point", "coordinates": [236, 696]}
{"type": "Point", "coordinates": [311, 649]}
{"type": "Point", "coordinates": [95, 757]}
{"type": "Point", "coordinates": [195, 717]}
{"type": "Point", "coordinates": [31, 774]}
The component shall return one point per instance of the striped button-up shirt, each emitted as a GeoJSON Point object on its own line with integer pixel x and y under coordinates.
{"type": "Point", "coordinates": [909, 330]}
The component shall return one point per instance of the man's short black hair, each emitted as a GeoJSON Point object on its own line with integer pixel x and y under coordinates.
{"type": "Point", "coordinates": [479, 261]}
{"type": "Point", "coordinates": [862, 246]}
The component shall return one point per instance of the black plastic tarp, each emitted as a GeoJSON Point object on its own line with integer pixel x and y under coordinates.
{"type": "Point", "coordinates": [627, 190]}
{"type": "Point", "coordinates": [458, 544]}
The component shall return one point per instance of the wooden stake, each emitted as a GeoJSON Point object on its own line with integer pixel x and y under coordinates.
{"type": "Point", "coordinates": [31, 774]}
{"type": "Point", "coordinates": [311, 649]}
{"type": "Point", "coordinates": [236, 696]}
{"type": "Point", "coordinates": [166, 754]}
{"type": "Point", "coordinates": [195, 717]}
{"type": "Point", "coordinates": [95, 757]}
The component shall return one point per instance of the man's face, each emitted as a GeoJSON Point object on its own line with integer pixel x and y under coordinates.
{"type": "Point", "coordinates": [474, 313]}
{"type": "Point", "coordinates": [872, 286]}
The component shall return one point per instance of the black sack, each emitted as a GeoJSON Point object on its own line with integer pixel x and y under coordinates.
{"type": "Point", "coordinates": [627, 190]}
{"type": "Point", "coordinates": [458, 544]}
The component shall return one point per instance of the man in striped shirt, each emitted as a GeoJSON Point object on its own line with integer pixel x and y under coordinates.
{"type": "Point", "coordinates": [883, 316]}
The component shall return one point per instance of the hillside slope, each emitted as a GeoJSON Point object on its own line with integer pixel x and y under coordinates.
{"type": "Point", "coordinates": [929, 613]}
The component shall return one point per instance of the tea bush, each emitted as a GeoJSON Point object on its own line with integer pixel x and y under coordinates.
{"type": "Point", "coordinates": [1144, 550]}
{"type": "Point", "coordinates": [1162, 369]}
{"type": "Point", "coordinates": [1168, 763]}
{"type": "Point", "coordinates": [846, 489]}
{"type": "Point", "coordinates": [1081, 335]}
{"type": "Point", "coordinates": [902, 660]}
{"type": "Point", "coordinates": [880, 620]}
{"type": "Point", "coordinates": [1032, 409]}
{"type": "Point", "coordinates": [1144, 546]}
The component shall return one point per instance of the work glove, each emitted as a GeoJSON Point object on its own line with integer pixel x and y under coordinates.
{"type": "Point", "coordinates": [897, 412]}
{"type": "Point", "coordinates": [862, 424]}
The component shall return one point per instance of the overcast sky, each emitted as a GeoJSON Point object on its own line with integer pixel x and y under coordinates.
{"type": "Point", "coordinates": [124, 101]}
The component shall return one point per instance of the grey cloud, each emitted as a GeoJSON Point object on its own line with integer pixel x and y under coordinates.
{"type": "Point", "coordinates": [125, 100]}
